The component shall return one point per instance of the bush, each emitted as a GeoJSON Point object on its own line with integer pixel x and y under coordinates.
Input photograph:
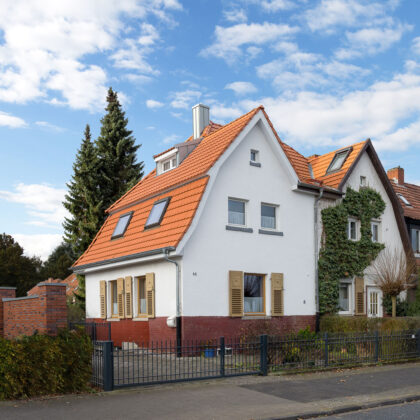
{"type": "Point", "coordinates": [42, 365]}
{"type": "Point", "coordinates": [349, 324]}
{"type": "Point", "coordinates": [75, 312]}
{"type": "Point", "coordinates": [402, 306]}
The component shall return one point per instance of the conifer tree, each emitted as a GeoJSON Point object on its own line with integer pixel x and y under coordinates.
{"type": "Point", "coordinates": [83, 199]}
{"type": "Point", "coordinates": [118, 169]}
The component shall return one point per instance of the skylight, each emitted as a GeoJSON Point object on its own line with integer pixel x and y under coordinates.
{"type": "Point", "coordinates": [122, 225]}
{"type": "Point", "coordinates": [404, 200]}
{"type": "Point", "coordinates": [338, 160]}
{"type": "Point", "coordinates": [157, 213]}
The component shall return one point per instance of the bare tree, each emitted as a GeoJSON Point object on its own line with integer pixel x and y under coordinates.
{"type": "Point", "coordinates": [394, 272]}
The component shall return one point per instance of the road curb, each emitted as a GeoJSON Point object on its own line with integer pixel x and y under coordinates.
{"type": "Point", "coordinates": [348, 409]}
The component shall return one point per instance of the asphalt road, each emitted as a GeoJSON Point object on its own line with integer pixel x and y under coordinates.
{"type": "Point", "coordinates": [409, 411]}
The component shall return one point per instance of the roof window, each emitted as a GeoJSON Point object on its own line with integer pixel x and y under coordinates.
{"type": "Point", "coordinates": [157, 213]}
{"type": "Point", "coordinates": [404, 200]}
{"type": "Point", "coordinates": [338, 160]}
{"type": "Point", "coordinates": [122, 225]}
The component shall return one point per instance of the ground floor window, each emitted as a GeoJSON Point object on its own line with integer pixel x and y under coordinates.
{"type": "Point", "coordinates": [344, 297]}
{"type": "Point", "coordinates": [114, 298]}
{"type": "Point", "coordinates": [374, 302]}
{"type": "Point", "coordinates": [142, 304]}
{"type": "Point", "coordinates": [254, 294]}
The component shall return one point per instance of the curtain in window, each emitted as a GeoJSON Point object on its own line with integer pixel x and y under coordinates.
{"type": "Point", "coordinates": [268, 217]}
{"type": "Point", "coordinates": [253, 298]}
{"type": "Point", "coordinates": [236, 212]}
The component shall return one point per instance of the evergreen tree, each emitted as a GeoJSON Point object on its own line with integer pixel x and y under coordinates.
{"type": "Point", "coordinates": [118, 170]}
{"type": "Point", "coordinates": [83, 199]}
{"type": "Point", "coordinates": [80, 294]}
{"type": "Point", "coordinates": [59, 262]}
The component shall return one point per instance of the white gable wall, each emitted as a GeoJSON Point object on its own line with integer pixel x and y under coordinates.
{"type": "Point", "coordinates": [212, 250]}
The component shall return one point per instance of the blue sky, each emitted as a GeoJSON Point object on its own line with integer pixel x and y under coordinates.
{"type": "Point", "coordinates": [329, 72]}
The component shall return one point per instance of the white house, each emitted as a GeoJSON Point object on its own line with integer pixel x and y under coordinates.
{"type": "Point", "coordinates": [224, 231]}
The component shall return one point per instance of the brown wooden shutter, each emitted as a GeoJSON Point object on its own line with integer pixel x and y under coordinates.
{"type": "Point", "coordinates": [277, 294]}
{"type": "Point", "coordinates": [236, 293]}
{"type": "Point", "coordinates": [102, 298]}
{"type": "Point", "coordinates": [150, 295]}
{"type": "Point", "coordinates": [120, 297]}
{"type": "Point", "coordinates": [128, 297]}
{"type": "Point", "coordinates": [359, 288]}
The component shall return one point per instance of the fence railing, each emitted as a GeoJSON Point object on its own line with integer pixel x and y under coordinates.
{"type": "Point", "coordinates": [152, 363]}
{"type": "Point", "coordinates": [97, 331]}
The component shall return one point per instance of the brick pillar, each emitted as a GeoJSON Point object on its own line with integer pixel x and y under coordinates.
{"type": "Point", "coordinates": [5, 292]}
{"type": "Point", "coordinates": [53, 305]}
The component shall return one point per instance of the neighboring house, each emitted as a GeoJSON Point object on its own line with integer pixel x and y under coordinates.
{"type": "Point", "coordinates": [222, 232]}
{"type": "Point", "coordinates": [71, 282]}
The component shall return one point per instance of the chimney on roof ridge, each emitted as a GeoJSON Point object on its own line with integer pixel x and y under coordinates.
{"type": "Point", "coordinates": [201, 119]}
{"type": "Point", "coordinates": [396, 175]}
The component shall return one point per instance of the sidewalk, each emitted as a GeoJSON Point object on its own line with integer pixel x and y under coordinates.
{"type": "Point", "coordinates": [271, 397]}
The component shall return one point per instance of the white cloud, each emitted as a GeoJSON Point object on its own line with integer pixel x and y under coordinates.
{"type": "Point", "coordinates": [7, 120]}
{"type": "Point", "coordinates": [152, 104]}
{"type": "Point", "coordinates": [416, 45]}
{"type": "Point", "coordinates": [42, 202]}
{"type": "Point", "coordinates": [235, 15]}
{"type": "Point", "coordinates": [241, 88]}
{"type": "Point", "coordinates": [45, 45]}
{"type": "Point", "coordinates": [48, 126]}
{"type": "Point", "coordinates": [184, 99]}
{"type": "Point", "coordinates": [229, 41]}
{"type": "Point", "coordinates": [38, 245]}
{"type": "Point", "coordinates": [170, 139]}
{"type": "Point", "coordinates": [222, 114]}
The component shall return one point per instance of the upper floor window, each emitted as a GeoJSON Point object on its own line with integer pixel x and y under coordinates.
{"type": "Point", "coordinates": [254, 156]}
{"type": "Point", "coordinates": [374, 226]}
{"type": "Point", "coordinates": [352, 229]}
{"type": "Point", "coordinates": [268, 216]}
{"type": "Point", "coordinates": [122, 225]}
{"type": "Point", "coordinates": [363, 181]}
{"type": "Point", "coordinates": [236, 210]}
{"type": "Point", "coordinates": [157, 212]}
{"type": "Point", "coordinates": [415, 240]}
{"type": "Point", "coordinates": [338, 160]}
{"type": "Point", "coordinates": [169, 164]}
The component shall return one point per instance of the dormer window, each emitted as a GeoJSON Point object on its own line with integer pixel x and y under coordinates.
{"type": "Point", "coordinates": [122, 225]}
{"type": "Point", "coordinates": [166, 161]}
{"type": "Point", "coordinates": [338, 160]}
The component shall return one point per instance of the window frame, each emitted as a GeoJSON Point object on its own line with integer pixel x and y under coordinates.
{"type": "Point", "coordinates": [257, 154]}
{"type": "Point", "coordinates": [363, 181]}
{"type": "Point", "coordinates": [245, 212]}
{"type": "Point", "coordinates": [140, 314]}
{"type": "Point", "coordinates": [263, 313]}
{"type": "Point", "coordinates": [356, 222]}
{"type": "Point", "coordinates": [378, 224]}
{"type": "Point", "coordinates": [404, 200]}
{"type": "Point", "coordinates": [276, 224]}
{"type": "Point", "coordinates": [113, 286]}
{"type": "Point", "coordinates": [415, 233]}
{"type": "Point", "coordinates": [170, 160]}
{"type": "Point", "coordinates": [346, 151]}
{"type": "Point", "coordinates": [130, 214]}
{"type": "Point", "coordinates": [162, 215]}
{"type": "Point", "coordinates": [349, 284]}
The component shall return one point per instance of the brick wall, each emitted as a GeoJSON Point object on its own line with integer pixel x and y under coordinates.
{"type": "Point", "coordinates": [5, 292]}
{"type": "Point", "coordinates": [44, 311]}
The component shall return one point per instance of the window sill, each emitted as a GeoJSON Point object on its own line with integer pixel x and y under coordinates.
{"type": "Point", "coordinates": [113, 319]}
{"type": "Point", "coordinates": [142, 318]}
{"type": "Point", "coordinates": [270, 232]}
{"type": "Point", "coordinates": [256, 164]}
{"type": "Point", "coordinates": [239, 229]}
{"type": "Point", "coordinates": [246, 317]}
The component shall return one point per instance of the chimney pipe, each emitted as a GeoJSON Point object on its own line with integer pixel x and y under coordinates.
{"type": "Point", "coordinates": [201, 119]}
{"type": "Point", "coordinates": [396, 175]}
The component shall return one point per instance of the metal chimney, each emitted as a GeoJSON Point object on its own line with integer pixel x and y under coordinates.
{"type": "Point", "coordinates": [201, 119]}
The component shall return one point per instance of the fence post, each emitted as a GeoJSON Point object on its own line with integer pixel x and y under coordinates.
{"type": "Point", "coordinates": [108, 366]}
{"type": "Point", "coordinates": [222, 356]}
{"type": "Point", "coordinates": [326, 348]}
{"type": "Point", "coordinates": [418, 342]}
{"type": "Point", "coordinates": [94, 332]}
{"type": "Point", "coordinates": [376, 346]}
{"type": "Point", "coordinates": [109, 331]}
{"type": "Point", "coordinates": [263, 355]}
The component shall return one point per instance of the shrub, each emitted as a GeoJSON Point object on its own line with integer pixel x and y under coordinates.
{"type": "Point", "coordinates": [348, 324]}
{"type": "Point", "coordinates": [41, 365]}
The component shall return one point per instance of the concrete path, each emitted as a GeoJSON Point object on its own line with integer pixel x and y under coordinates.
{"type": "Point", "coordinates": [271, 397]}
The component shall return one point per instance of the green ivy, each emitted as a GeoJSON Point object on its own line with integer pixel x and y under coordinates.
{"type": "Point", "coordinates": [340, 257]}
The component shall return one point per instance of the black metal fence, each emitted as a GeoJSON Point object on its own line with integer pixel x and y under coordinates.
{"type": "Point", "coordinates": [153, 363]}
{"type": "Point", "coordinates": [98, 331]}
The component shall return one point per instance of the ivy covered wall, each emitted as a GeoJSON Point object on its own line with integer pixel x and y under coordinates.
{"type": "Point", "coordinates": [340, 257]}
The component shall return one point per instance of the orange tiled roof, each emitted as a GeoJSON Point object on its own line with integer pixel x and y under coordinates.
{"type": "Point", "coordinates": [321, 163]}
{"type": "Point", "coordinates": [412, 193]}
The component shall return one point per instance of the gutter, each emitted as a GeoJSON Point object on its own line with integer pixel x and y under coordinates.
{"type": "Point", "coordinates": [317, 200]}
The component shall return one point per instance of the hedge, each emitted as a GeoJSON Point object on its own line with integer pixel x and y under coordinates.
{"type": "Point", "coordinates": [335, 323]}
{"type": "Point", "coordinates": [42, 365]}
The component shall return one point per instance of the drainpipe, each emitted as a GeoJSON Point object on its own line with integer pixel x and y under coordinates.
{"type": "Point", "coordinates": [317, 200]}
{"type": "Point", "coordinates": [178, 306]}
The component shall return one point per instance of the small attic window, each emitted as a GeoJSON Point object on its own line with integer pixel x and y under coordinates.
{"type": "Point", "coordinates": [338, 160]}
{"type": "Point", "coordinates": [122, 225]}
{"type": "Point", "coordinates": [157, 213]}
{"type": "Point", "coordinates": [404, 200]}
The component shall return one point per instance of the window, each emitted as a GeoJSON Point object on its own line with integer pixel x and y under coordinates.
{"type": "Point", "coordinates": [254, 155]}
{"type": "Point", "coordinates": [268, 216]}
{"type": "Point", "coordinates": [114, 298]}
{"type": "Point", "coordinates": [122, 225]}
{"type": "Point", "coordinates": [415, 240]}
{"type": "Point", "coordinates": [363, 182]}
{"type": "Point", "coordinates": [374, 226]}
{"type": "Point", "coordinates": [236, 210]}
{"type": "Point", "coordinates": [344, 293]}
{"type": "Point", "coordinates": [404, 200]}
{"type": "Point", "coordinates": [142, 304]}
{"type": "Point", "coordinates": [166, 166]}
{"type": "Point", "coordinates": [253, 293]}
{"type": "Point", "coordinates": [157, 213]}
{"type": "Point", "coordinates": [373, 303]}
{"type": "Point", "coordinates": [169, 164]}
{"type": "Point", "coordinates": [338, 160]}
{"type": "Point", "coordinates": [352, 230]}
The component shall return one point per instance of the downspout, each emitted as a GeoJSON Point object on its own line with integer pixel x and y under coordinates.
{"type": "Point", "coordinates": [317, 200]}
{"type": "Point", "coordinates": [178, 306]}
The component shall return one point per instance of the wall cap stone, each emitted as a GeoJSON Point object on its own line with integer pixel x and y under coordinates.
{"type": "Point", "coordinates": [51, 284]}
{"type": "Point", "coordinates": [20, 298]}
{"type": "Point", "coordinates": [7, 288]}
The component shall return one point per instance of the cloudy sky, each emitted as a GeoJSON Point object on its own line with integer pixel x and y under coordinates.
{"type": "Point", "coordinates": [329, 72]}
